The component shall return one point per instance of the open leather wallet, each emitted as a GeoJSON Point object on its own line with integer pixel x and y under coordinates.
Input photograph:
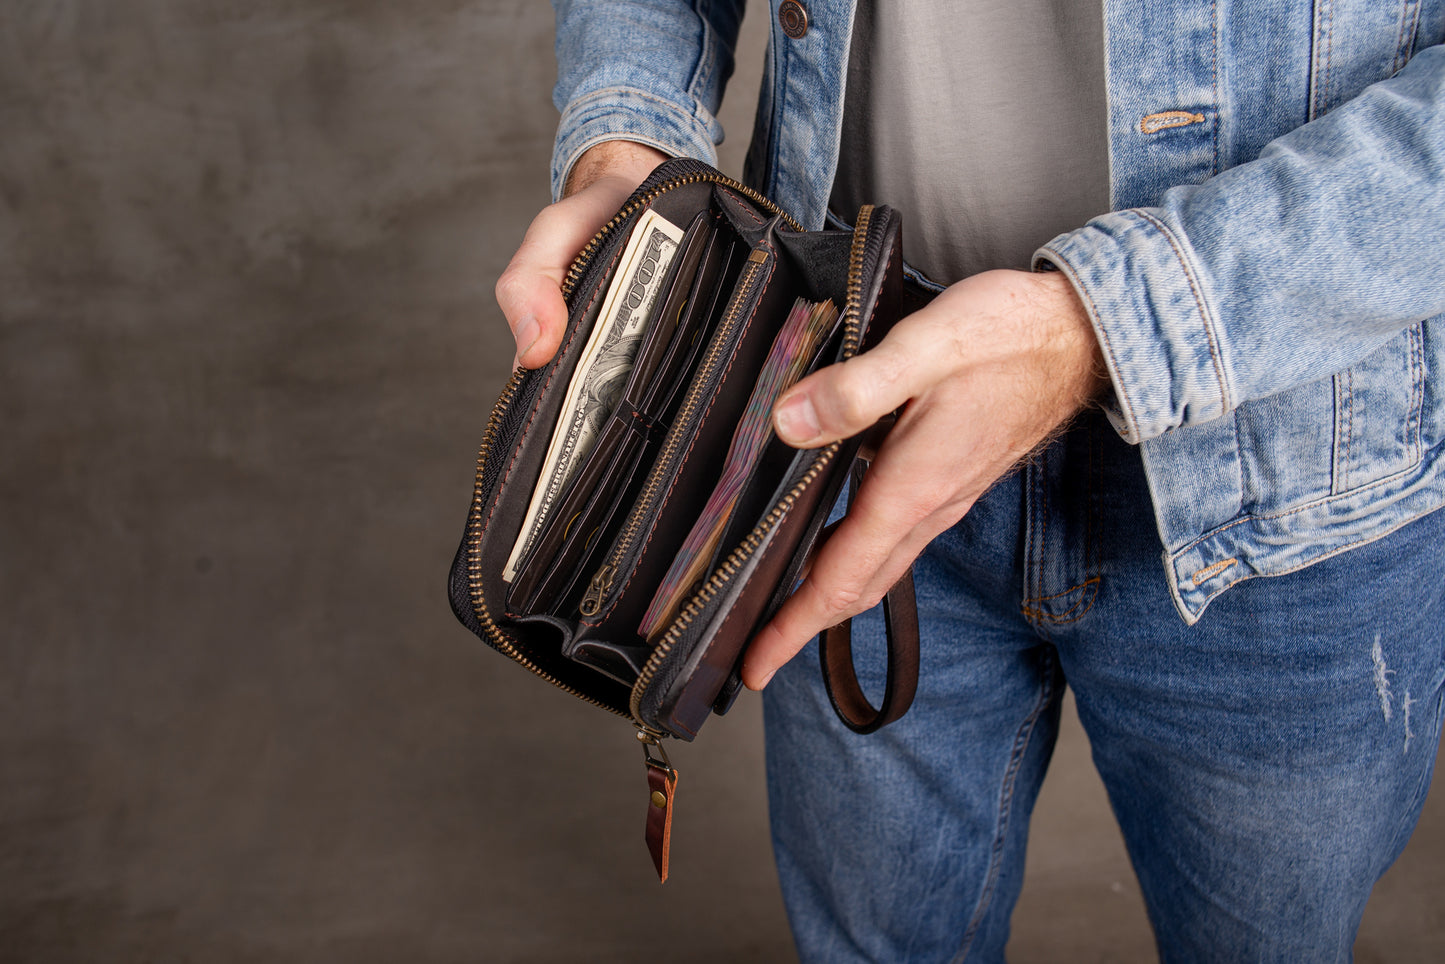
{"type": "Point", "coordinates": [634, 519]}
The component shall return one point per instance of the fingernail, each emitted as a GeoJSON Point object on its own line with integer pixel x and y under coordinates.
{"type": "Point", "coordinates": [796, 420]}
{"type": "Point", "coordinates": [527, 333]}
{"type": "Point", "coordinates": [767, 679]}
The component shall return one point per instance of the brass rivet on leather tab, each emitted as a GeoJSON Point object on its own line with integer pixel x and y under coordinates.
{"type": "Point", "coordinates": [659, 800]}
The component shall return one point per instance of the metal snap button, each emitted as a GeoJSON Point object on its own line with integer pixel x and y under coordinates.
{"type": "Point", "coordinates": [794, 19]}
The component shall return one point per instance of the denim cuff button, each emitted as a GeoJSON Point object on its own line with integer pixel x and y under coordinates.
{"type": "Point", "coordinates": [794, 19]}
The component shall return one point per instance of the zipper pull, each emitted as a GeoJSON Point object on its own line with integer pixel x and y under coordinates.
{"type": "Point", "coordinates": [661, 784]}
{"type": "Point", "coordinates": [596, 590]}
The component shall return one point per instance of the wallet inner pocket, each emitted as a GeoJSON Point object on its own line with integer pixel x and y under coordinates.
{"type": "Point", "coordinates": [598, 561]}
{"type": "Point", "coordinates": [678, 468]}
{"type": "Point", "coordinates": [614, 471]}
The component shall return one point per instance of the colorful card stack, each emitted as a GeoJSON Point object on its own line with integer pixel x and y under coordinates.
{"type": "Point", "coordinates": [807, 328]}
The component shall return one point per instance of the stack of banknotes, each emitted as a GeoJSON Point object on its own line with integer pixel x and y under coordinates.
{"type": "Point", "coordinates": [794, 351]}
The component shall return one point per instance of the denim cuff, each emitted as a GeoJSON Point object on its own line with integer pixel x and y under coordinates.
{"type": "Point", "coordinates": [625, 113]}
{"type": "Point", "coordinates": [1143, 293]}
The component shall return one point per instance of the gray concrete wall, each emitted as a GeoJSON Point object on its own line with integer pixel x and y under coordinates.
{"type": "Point", "coordinates": [247, 345]}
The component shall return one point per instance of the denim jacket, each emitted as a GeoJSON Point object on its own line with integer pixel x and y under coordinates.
{"type": "Point", "coordinates": [1269, 289]}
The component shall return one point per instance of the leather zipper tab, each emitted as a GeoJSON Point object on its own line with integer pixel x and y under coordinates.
{"type": "Point", "coordinates": [661, 785]}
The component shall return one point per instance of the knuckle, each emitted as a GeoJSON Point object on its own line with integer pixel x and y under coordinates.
{"type": "Point", "coordinates": [869, 386]}
{"type": "Point", "coordinates": [548, 218]}
{"type": "Point", "coordinates": [915, 507]}
{"type": "Point", "coordinates": [839, 601]}
{"type": "Point", "coordinates": [512, 286]}
{"type": "Point", "coordinates": [850, 398]}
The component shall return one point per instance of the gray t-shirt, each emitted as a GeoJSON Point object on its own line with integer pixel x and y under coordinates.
{"type": "Point", "coordinates": [984, 122]}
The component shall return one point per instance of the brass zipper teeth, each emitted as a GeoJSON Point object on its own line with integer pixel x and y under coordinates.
{"type": "Point", "coordinates": [498, 636]}
{"type": "Point", "coordinates": [589, 251]}
{"type": "Point", "coordinates": [852, 335]}
{"type": "Point", "coordinates": [723, 574]}
{"type": "Point", "coordinates": [595, 597]}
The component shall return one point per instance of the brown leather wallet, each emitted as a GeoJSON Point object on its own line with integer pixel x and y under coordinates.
{"type": "Point", "coordinates": [572, 610]}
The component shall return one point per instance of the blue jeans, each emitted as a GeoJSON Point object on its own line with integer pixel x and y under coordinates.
{"type": "Point", "coordinates": [1266, 765]}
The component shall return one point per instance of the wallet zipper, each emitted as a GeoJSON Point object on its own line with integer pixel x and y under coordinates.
{"type": "Point", "coordinates": [589, 251]}
{"type": "Point", "coordinates": [498, 637]}
{"type": "Point", "coordinates": [596, 595]}
{"type": "Point", "coordinates": [852, 338]}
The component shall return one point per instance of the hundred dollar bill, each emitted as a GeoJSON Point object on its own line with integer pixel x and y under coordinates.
{"type": "Point", "coordinates": [602, 370]}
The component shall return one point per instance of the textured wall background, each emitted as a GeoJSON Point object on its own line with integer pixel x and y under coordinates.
{"type": "Point", "coordinates": [247, 345]}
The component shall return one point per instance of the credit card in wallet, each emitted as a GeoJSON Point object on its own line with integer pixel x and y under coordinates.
{"type": "Point", "coordinates": [565, 538]}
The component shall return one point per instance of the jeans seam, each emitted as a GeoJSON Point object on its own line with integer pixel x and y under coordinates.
{"type": "Point", "coordinates": [1064, 618]}
{"type": "Point", "coordinates": [1285, 514]}
{"type": "Point", "coordinates": [1021, 745]}
{"type": "Point", "coordinates": [1409, 33]}
{"type": "Point", "coordinates": [1321, 62]}
{"type": "Point", "coordinates": [1043, 526]}
{"type": "Point", "coordinates": [1094, 527]}
{"type": "Point", "coordinates": [1416, 417]}
{"type": "Point", "coordinates": [1306, 563]}
{"type": "Point", "coordinates": [1037, 517]}
{"type": "Point", "coordinates": [780, 101]}
{"type": "Point", "coordinates": [702, 70]}
{"type": "Point", "coordinates": [1059, 595]}
{"type": "Point", "coordinates": [1030, 588]}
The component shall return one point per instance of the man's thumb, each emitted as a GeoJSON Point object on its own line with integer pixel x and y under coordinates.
{"type": "Point", "coordinates": [531, 300]}
{"type": "Point", "coordinates": [834, 403]}
{"type": "Point", "coordinates": [839, 401]}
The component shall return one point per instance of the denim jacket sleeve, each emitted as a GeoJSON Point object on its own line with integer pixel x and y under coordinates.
{"type": "Point", "coordinates": [651, 71]}
{"type": "Point", "coordinates": [1279, 271]}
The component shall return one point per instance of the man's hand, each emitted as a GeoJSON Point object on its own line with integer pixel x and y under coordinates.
{"type": "Point", "coordinates": [987, 371]}
{"type": "Point", "coordinates": [530, 289]}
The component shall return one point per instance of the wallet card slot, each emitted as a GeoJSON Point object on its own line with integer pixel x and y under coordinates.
{"type": "Point", "coordinates": [535, 572]}
{"type": "Point", "coordinates": [591, 515]}
{"type": "Point", "coordinates": [538, 401]}
{"type": "Point", "coordinates": [566, 537]}
{"type": "Point", "coordinates": [619, 661]}
{"type": "Point", "coordinates": [508, 466]}
{"type": "Point", "coordinates": [799, 343]}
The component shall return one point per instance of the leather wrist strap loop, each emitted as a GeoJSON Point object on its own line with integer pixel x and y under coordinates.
{"type": "Point", "coordinates": [835, 648]}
